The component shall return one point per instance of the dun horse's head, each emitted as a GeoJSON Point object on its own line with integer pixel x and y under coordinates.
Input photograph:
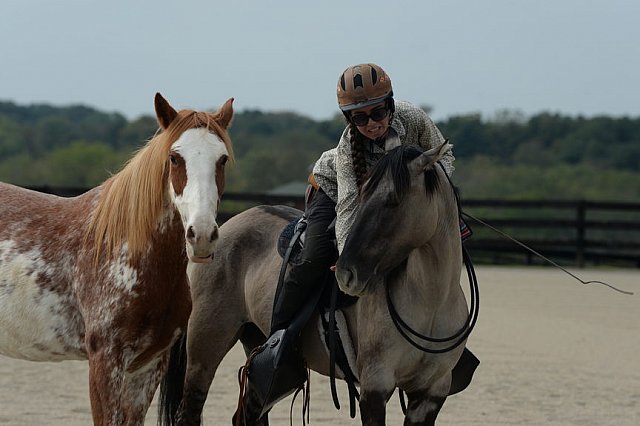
{"type": "Point", "coordinates": [397, 215]}
{"type": "Point", "coordinates": [196, 162]}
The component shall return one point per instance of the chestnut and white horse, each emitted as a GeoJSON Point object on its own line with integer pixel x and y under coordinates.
{"type": "Point", "coordinates": [102, 276]}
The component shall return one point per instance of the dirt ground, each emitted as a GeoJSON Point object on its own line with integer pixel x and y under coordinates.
{"type": "Point", "coordinates": [552, 351]}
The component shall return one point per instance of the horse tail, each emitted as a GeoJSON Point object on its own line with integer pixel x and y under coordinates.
{"type": "Point", "coordinates": [172, 384]}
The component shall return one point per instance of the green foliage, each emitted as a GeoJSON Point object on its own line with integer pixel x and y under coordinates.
{"type": "Point", "coordinates": [21, 169]}
{"type": "Point", "coordinates": [276, 160]}
{"type": "Point", "coordinates": [483, 177]}
{"type": "Point", "coordinates": [508, 156]}
{"type": "Point", "coordinates": [136, 133]}
{"type": "Point", "coordinates": [84, 164]}
{"type": "Point", "coordinates": [12, 138]}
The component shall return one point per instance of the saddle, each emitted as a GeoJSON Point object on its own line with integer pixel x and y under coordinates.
{"type": "Point", "coordinates": [275, 369]}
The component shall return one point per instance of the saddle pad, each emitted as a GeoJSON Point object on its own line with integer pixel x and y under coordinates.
{"type": "Point", "coordinates": [285, 238]}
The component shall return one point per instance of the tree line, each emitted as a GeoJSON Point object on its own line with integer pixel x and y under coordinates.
{"type": "Point", "coordinates": [545, 156]}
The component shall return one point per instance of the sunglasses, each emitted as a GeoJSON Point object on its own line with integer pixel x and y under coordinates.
{"type": "Point", "coordinates": [378, 114]}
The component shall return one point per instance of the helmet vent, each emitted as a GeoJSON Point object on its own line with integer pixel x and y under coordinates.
{"type": "Point", "coordinates": [357, 81]}
{"type": "Point", "coordinates": [374, 75]}
{"type": "Point", "coordinates": [342, 83]}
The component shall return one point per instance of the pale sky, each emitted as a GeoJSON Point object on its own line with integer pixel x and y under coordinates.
{"type": "Point", "coordinates": [566, 56]}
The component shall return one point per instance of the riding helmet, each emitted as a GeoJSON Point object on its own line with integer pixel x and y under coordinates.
{"type": "Point", "coordinates": [363, 85]}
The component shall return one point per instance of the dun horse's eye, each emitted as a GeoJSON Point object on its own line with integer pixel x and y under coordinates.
{"type": "Point", "coordinates": [173, 159]}
{"type": "Point", "coordinates": [392, 200]}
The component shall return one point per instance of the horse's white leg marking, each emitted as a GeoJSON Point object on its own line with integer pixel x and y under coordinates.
{"type": "Point", "coordinates": [139, 388]}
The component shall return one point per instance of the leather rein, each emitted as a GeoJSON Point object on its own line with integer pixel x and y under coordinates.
{"type": "Point", "coordinates": [456, 339]}
{"type": "Point", "coordinates": [412, 336]}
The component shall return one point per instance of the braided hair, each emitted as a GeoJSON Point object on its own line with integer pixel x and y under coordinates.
{"type": "Point", "coordinates": [358, 147]}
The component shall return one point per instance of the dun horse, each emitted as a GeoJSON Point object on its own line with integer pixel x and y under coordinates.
{"type": "Point", "coordinates": [102, 276]}
{"type": "Point", "coordinates": [406, 238]}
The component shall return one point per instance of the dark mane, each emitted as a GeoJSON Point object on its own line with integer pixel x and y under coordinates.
{"type": "Point", "coordinates": [395, 161]}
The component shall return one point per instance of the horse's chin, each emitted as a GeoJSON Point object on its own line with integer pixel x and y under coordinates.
{"type": "Point", "coordinates": [360, 288]}
{"type": "Point", "coordinates": [201, 259]}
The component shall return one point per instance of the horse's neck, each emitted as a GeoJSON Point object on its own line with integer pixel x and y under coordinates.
{"type": "Point", "coordinates": [432, 269]}
{"type": "Point", "coordinates": [165, 247]}
{"type": "Point", "coordinates": [169, 222]}
{"type": "Point", "coordinates": [168, 240]}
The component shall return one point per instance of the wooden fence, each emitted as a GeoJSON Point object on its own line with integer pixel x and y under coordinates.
{"type": "Point", "coordinates": [568, 232]}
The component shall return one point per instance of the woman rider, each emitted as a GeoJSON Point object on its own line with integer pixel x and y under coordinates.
{"type": "Point", "coordinates": [376, 124]}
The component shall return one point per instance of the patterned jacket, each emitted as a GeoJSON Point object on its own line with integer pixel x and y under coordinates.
{"type": "Point", "coordinates": [334, 169]}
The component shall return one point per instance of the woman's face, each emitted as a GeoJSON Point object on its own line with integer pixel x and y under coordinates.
{"type": "Point", "coordinates": [365, 120]}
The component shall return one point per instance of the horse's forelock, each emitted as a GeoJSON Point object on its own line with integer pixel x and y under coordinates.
{"type": "Point", "coordinates": [133, 200]}
{"type": "Point", "coordinates": [189, 119]}
{"type": "Point", "coordinates": [395, 162]}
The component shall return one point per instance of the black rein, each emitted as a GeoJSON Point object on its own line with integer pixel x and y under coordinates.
{"type": "Point", "coordinates": [456, 339]}
{"type": "Point", "coordinates": [461, 335]}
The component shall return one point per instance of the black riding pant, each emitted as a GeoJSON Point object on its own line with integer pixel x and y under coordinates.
{"type": "Point", "coordinates": [318, 254]}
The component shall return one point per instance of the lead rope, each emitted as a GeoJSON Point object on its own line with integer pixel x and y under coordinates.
{"type": "Point", "coordinates": [540, 255]}
{"type": "Point", "coordinates": [544, 257]}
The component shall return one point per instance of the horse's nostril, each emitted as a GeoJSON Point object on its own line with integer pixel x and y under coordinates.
{"type": "Point", "coordinates": [190, 234]}
{"type": "Point", "coordinates": [344, 276]}
{"type": "Point", "coordinates": [214, 235]}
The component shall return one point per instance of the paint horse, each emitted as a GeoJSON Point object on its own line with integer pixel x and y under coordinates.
{"type": "Point", "coordinates": [102, 276]}
{"type": "Point", "coordinates": [405, 239]}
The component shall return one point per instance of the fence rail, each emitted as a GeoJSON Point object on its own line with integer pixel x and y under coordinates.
{"type": "Point", "coordinates": [569, 232]}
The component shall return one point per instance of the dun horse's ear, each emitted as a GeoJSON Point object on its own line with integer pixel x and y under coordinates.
{"type": "Point", "coordinates": [225, 114]}
{"type": "Point", "coordinates": [443, 149]}
{"type": "Point", "coordinates": [430, 157]}
{"type": "Point", "coordinates": [164, 112]}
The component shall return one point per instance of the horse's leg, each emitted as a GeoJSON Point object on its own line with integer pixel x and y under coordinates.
{"type": "Point", "coordinates": [376, 388]}
{"type": "Point", "coordinates": [373, 407]}
{"type": "Point", "coordinates": [212, 332]}
{"type": "Point", "coordinates": [424, 405]}
{"type": "Point", "coordinates": [139, 388]}
{"type": "Point", "coordinates": [203, 361]}
{"type": "Point", "coordinates": [251, 337]}
{"type": "Point", "coordinates": [118, 397]}
{"type": "Point", "coordinates": [106, 378]}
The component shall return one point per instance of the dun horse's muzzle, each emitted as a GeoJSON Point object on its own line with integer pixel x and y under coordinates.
{"type": "Point", "coordinates": [349, 281]}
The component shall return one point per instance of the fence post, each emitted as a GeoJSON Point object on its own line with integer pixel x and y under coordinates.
{"type": "Point", "coordinates": [581, 214]}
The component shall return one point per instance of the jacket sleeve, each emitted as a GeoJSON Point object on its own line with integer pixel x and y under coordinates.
{"type": "Point", "coordinates": [347, 205]}
{"type": "Point", "coordinates": [324, 172]}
